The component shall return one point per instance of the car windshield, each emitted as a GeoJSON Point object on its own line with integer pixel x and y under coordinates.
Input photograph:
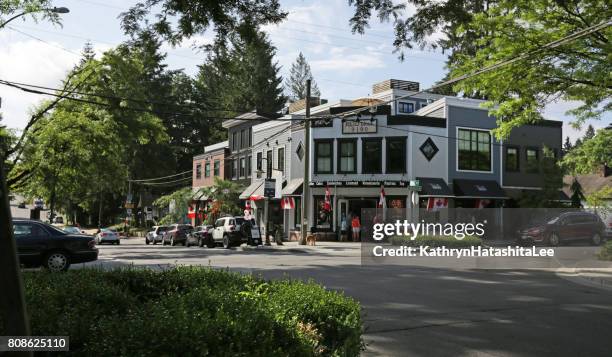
{"type": "Point", "coordinates": [71, 230]}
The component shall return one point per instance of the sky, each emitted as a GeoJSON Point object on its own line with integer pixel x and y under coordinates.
{"type": "Point", "coordinates": [344, 65]}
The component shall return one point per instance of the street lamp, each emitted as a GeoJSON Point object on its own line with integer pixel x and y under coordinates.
{"type": "Point", "coordinates": [55, 10]}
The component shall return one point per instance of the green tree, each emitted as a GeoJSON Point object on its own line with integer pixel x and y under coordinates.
{"type": "Point", "coordinates": [601, 200]}
{"type": "Point", "coordinates": [177, 205]}
{"type": "Point", "coordinates": [591, 154]}
{"type": "Point", "coordinates": [296, 83]}
{"type": "Point", "coordinates": [589, 133]}
{"type": "Point", "coordinates": [225, 198]}
{"type": "Point", "coordinates": [577, 195]}
{"type": "Point", "coordinates": [35, 9]}
{"type": "Point", "coordinates": [567, 145]}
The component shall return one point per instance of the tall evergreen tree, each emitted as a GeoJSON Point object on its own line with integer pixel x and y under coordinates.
{"type": "Point", "coordinates": [87, 53]}
{"type": "Point", "coordinates": [567, 145]}
{"type": "Point", "coordinates": [296, 83]}
{"type": "Point", "coordinates": [577, 195]}
{"type": "Point", "coordinates": [589, 134]}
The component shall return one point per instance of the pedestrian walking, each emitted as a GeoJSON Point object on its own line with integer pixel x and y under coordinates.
{"type": "Point", "coordinates": [356, 226]}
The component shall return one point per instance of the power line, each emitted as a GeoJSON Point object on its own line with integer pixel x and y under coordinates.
{"type": "Point", "coordinates": [161, 178]}
{"type": "Point", "coordinates": [569, 38]}
{"type": "Point", "coordinates": [43, 41]}
{"type": "Point", "coordinates": [173, 183]}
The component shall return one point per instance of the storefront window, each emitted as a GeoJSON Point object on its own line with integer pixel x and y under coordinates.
{"type": "Point", "coordinates": [297, 211]}
{"type": "Point", "coordinates": [372, 156]}
{"type": "Point", "coordinates": [322, 217]}
{"type": "Point", "coordinates": [323, 155]}
{"type": "Point", "coordinates": [474, 150]}
{"type": "Point", "coordinates": [347, 156]}
{"type": "Point", "coordinates": [396, 155]}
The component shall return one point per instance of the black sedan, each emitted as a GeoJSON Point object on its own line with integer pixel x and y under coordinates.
{"type": "Point", "coordinates": [41, 244]}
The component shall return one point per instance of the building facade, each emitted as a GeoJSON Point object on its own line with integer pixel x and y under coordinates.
{"type": "Point", "coordinates": [211, 164]}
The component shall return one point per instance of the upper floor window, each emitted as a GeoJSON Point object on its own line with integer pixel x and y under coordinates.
{"type": "Point", "coordinates": [245, 139]}
{"type": "Point", "coordinates": [242, 167]}
{"type": "Point", "coordinates": [404, 107]}
{"type": "Point", "coordinates": [281, 159]}
{"type": "Point", "coordinates": [474, 150]}
{"type": "Point", "coordinates": [371, 156]}
{"type": "Point", "coordinates": [532, 160]}
{"type": "Point", "coordinates": [323, 156]}
{"type": "Point", "coordinates": [347, 156]}
{"type": "Point", "coordinates": [248, 165]}
{"type": "Point", "coordinates": [259, 164]}
{"type": "Point", "coordinates": [423, 105]}
{"type": "Point", "coordinates": [250, 137]}
{"type": "Point", "coordinates": [207, 169]}
{"type": "Point", "coordinates": [269, 163]}
{"type": "Point", "coordinates": [198, 171]}
{"type": "Point", "coordinates": [512, 159]}
{"type": "Point", "coordinates": [217, 168]}
{"type": "Point", "coordinates": [234, 141]}
{"type": "Point", "coordinates": [235, 168]}
{"type": "Point", "coordinates": [396, 155]}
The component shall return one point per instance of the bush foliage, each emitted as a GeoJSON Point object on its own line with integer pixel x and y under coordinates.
{"type": "Point", "coordinates": [191, 311]}
{"type": "Point", "coordinates": [606, 251]}
{"type": "Point", "coordinates": [436, 241]}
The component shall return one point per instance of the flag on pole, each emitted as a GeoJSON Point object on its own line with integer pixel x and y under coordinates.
{"type": "Point", "coordinates": [287, 203]}
{"type": "Point", "coordinates": [382, 202]}
{"type": "Point", "coordinates": [327, 204]}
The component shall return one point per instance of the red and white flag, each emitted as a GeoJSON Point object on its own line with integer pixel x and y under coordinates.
{"type": "Point", "coordinates": [482, 203]}
{"type": "Point", "coordinates": [436, 203]}
{"type": "Point", "coordinates": [382, 202]}
{"type": "Point", "coordinates": [327, 204]}
{"type": "Point", "coordinates": [191, 212]}
{"type": "Point", "coordinates": [287, 203]}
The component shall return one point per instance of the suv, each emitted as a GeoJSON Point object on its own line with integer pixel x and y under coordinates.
{"type": "Point", "coordinates": [201, 236]}
{"type": "Point", "coordinates": [233, 231]}
{"type": "Point", "coordinates": [156, 235]}
{"type": "Point", "coordinates": [177, 233]}
{"type": "Point", "coordinates": [569, 226]}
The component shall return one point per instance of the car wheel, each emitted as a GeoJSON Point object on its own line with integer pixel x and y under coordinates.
{"type": "Point", "coordinates": [154, 241]}
{"type": "Point", "coordinates": [172, 242]}
{"type": "Point", "coordinates": [57, 261]}
{"type": "Point", "coordinates": [147, 241]}
{"type": "Point", "coordinates": [118, 242]}
{"type": "Point", "coordinates": [226, 242]}
{"type": "Point", "coordinates": [200, 242]}
{"type": "Point", "coordinates": [596, 240]}
{"type": "Point", "coordinates": [186, 243]}
{"type": "Point", "coordinates": [554, 240]}
{"type": "Point", "coordinates": [210, 242]}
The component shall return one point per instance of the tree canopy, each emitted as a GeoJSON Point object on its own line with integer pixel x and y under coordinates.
{"type": "Point", "coordinates": [296, 83]}
{"type": "Point", "coordinates": [591, 154]}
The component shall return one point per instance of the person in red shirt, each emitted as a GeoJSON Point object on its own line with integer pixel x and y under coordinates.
{"type": "Point", "coordinates": [356, 225]}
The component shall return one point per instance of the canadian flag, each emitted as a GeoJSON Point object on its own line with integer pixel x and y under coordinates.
{"type": "Point", "coordinates": [480, 204]}
{"type": "Point", "coordinates": [327, 204]}
{"type": "Point", "coordinates": [247, 205]}
{"type": "Point", "coordinates": [287, 203]}
{"type": "Point", "coordinates": [436, 203]}
{"type": "Point", "coordinates": [191, 212]}
{"type": "Point", "coordinates": [382, 203]}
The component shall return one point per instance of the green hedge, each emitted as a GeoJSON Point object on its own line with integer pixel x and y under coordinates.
{"type": "Point", "coordinates": [436, 241]}
{"type": "Point", "coordinates": [606, 251]}
{"type": "Point", "coordinates": [191, 311]}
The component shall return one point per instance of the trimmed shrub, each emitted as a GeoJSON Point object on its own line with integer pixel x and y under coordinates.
{"type": "Point", "coordinates": [191, 311]}
{"type": "Point", "coordinates": [606, 251]}
{"type": "Point", "coordinates": [436, 241]}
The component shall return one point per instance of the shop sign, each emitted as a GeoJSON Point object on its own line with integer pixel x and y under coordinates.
{"type": "Point", "coordinates": [270, 188]}
{"type": "Point", "coordinates": [360, 127]}
{"type": "Point", "coordinates": [359, 183]}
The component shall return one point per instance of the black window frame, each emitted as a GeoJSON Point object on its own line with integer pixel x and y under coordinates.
{"type": "Point", "coordinates": [388, 141]}
{"type": "Point", "coordinates": [528, 167]}
{"type": "Point", "coordinates": [269, 161]}
{"type": "Point", "coordinates": [355, 152]}
{"type": "Point", "coordinates": [198, 171]}
{"type": "Point", "coordinates": [316, 155]}
{"type": "Point", "coordinates": [235, 168]}
{"type": "Point", "coordinates": [259, 163]}
{"type": "Point", "coordinates": [407, 104]}
{"type": "Point", "coordinates": [518, 158]}
{"type": "Point", "coordinates": [280, 159]}
{"type": "Point", "coordinates": [248, 165]}
{"type": "Point", "coordinates": [474, 165]}
{"type": "Point", "coordinates": [242, 167]}
{"type": "Point", "coordinates": [364, 142]}
{"type": "Point", "coordinates": [234, 141]}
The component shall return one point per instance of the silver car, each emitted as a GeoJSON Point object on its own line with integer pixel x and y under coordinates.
{"type": "Point", "coordinates": [156, 235]}
{"type": "Point", "coordinates": [107, 235]}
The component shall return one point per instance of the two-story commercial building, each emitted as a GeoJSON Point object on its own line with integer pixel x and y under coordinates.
{"type": "Point", "coordinates": [211, 164]}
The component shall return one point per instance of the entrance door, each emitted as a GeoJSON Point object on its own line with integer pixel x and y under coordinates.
{"type": "Point", "coordinates": [343, 211]}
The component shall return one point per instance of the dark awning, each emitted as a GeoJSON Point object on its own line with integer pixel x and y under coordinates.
{"type": "Point", "coordinates": [478, 189]}
{"type": "Point", "coordinates": [434, 187]}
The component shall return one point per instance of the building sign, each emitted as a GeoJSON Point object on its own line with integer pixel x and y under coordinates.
{"type": "Point", "coordinates": [360, 127]}
{"type": "Point", "coordinates": [270, 188]}
{"type": "Point", "coordinates": [359, 183]}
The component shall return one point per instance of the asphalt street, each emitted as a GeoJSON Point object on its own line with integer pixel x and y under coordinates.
{"type": "Point", "coordinates": [416, 310]}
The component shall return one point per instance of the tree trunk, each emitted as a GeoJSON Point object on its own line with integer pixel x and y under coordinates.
{"type": "Point", "coordinates": [100, 213]}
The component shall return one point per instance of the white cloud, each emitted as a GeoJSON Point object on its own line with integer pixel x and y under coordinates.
{"type": "Point", "coordinates": [31, 62]}
{"type": "Point", "coordinates": [348, 63]}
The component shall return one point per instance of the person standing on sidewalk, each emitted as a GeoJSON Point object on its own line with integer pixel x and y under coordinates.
{"type": "Point", "coordinates": [356, 226]}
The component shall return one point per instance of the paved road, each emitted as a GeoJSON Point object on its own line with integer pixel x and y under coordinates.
{"type": "Point", "coordinates": [424, 311]}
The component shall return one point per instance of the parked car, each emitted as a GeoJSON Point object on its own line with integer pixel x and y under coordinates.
{"type": "Point", "coordinates": [108, 235]}
{"type": "Point", "coordinates": [200, 236]}
{"type": "Point", "coordinates": [41, 244]}
{"type": "Point", "coordinates": [156, 235]}
{"type": "Point", "coordinates": [73, 230]}
{"type": "Point", "coordinates": [233, 231]}
{"type": "Point", "coordinates": [177, 233]}
{"type": "Point", "coordinates": [607, 219]}
{"type": "Point", "coordinates": [566, 227]}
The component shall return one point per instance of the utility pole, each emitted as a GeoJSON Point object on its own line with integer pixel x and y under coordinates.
{"type": "Point", "coordinates": [267, 202]}
{"type": "Point", "coordinates": [13, 307]}
{"type": "Point", "coordinates": [305, 187]}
